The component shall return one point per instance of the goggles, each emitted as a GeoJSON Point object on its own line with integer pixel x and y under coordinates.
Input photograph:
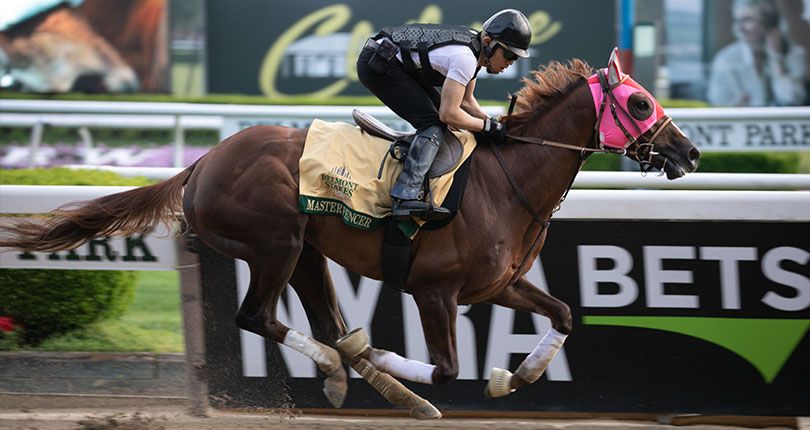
{"type": "Point", "coordinates": [507, 53]}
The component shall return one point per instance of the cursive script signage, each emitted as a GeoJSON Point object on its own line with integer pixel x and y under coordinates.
{"type": "Point", "coordinates": [310, 48]}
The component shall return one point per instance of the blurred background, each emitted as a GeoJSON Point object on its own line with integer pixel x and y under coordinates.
{"type": "Point", "coordinates": [689, 53]}
{"type": "Point", "coordinates": [191, 48]}
{"type": "Point", "coordinates": [134, 85]}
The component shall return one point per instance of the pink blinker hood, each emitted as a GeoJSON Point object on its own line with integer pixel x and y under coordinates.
{"type": "Point", "coordinates": [623, 86]}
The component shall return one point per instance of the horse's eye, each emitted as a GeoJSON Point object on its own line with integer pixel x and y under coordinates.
{"type": "Point", "coordinates": [639, 106]}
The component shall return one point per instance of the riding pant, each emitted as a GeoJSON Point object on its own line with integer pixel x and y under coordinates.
{"type": "Point", "coordinates": [405, 95]}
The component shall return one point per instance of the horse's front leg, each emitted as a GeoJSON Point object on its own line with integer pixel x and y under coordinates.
{"type": "Point", "coordinates": [523, 296]}
{"type": "Point", "coordinates": [438, 309]}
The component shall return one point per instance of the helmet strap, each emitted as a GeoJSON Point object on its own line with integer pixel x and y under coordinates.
{"type": "Point", "coordinates": [487, 49]}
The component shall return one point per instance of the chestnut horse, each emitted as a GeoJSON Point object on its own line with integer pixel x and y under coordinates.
{"type": "Point", "coordinates": [241, 198]}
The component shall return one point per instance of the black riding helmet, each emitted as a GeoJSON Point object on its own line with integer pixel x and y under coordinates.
{"type": "Point", "coordinates": [511, 28]}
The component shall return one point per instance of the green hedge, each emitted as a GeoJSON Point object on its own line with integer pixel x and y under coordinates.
{"type": "Point", "coordinates": [111, 137]}
{"type": "Point", "coordinates": [51, 302]}
{"type": "Point", "coordinates": [65, 176]}
{"type": "Point", "coordinates": [749, 162]}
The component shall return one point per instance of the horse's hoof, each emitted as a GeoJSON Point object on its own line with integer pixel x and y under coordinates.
{"type": "Point", "coordinates": [500, 383]}
{"type": "Point", "coordinates": [425, 411]}
{"type": "Point", "coordinates": [335, 387]}
{"type": "Point", "coordinates": [353, 343]}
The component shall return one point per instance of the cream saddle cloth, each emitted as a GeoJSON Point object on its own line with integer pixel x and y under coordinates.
{"type": "Point", "coordinates": [338, 174]}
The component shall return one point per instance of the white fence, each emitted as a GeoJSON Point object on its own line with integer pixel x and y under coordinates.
{"type": "Point", "coordinates": [715, 129]}
{"type": "Point", "coordinates": [581, 203]}
{"type": "Point", "coordinates": [592, 180]}
{"type": "Point", "coordinates": [779, 206]}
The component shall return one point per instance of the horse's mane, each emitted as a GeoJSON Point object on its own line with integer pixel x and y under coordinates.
{"type": "Point", "coordinates": [550, 83]}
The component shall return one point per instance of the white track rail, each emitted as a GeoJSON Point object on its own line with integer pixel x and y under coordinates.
{"type": "Point", "coordinates": [789, 206]}
{"type": "Point", "coordinates": [590, 180]}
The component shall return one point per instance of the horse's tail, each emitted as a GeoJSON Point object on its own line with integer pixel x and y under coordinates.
{"type": "Point", "coordinates": [134, 211]}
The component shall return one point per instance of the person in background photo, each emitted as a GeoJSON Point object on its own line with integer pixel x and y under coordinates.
{"type": "Point", "coordinates": [763, 67]}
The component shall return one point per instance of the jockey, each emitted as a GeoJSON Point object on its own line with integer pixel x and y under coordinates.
{"type": "Point", "coordinates": [403, 65]}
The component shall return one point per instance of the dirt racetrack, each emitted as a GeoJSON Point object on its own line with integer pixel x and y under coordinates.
{"type": "Point", "coordinates": [61, 412]}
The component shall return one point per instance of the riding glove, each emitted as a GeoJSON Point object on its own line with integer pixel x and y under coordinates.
{"type": "Point", "coordinates": [494, 130]}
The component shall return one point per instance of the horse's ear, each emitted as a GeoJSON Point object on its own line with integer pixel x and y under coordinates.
{"type": "Point", "coordinates": [615, 74]}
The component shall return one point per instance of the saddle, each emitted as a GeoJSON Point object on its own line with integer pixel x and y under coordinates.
{"type": "Point", "coordinates": [448, 157]}
{"type": "Point", "coordinates": [397, 245]}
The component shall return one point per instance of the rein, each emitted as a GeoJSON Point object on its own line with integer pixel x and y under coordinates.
{"type": "Point", "coordinates": [642, 152]}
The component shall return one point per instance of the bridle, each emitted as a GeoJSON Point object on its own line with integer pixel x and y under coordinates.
{"type": "Point", "coordinates": [641, 152]}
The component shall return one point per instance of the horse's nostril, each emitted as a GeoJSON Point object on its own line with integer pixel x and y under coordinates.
{"type": "Point", "coordinates": [694, 154]}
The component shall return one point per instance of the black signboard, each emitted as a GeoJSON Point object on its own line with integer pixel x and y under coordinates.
{"type": "Point", "coordinates": [310, 48]}
{"type": "Point", "coordinates": [669, 317]}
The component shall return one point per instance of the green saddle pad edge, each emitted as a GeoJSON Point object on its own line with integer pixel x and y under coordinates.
{"type": "Point", "coordinates": [350, 217]}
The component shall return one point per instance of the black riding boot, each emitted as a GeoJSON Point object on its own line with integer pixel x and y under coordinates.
{"type": "Point", "coordinates": [407, 192]}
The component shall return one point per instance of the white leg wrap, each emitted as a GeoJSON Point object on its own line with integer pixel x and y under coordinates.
{"type": "Point", "coordinates": [312, 349]}
{"type": "Point", "coordinates": [401, 367]}
{"type": "Point", "coordinates": [536, 363]}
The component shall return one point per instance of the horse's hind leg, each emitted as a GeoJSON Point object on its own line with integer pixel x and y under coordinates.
{"type": "Point", "coordinates": [523, 296]}
{"type": "Point", "coordinates": [312, 282]}
{"type": "Point", "coordinates": [257, 314]}
{"type": "Point", "coordinates": [438, 315]}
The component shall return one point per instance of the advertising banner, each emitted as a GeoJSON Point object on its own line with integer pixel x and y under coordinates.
{"type": "Point", "coordinates": [746, 129]}
{"type": "Point", "coordinates": [91, 46]}
{"type": "Point", "coordinates": [669, 317]}
{"type": "Point", "coordinates": [310, 48]}
{"type": "Point", "coordinates": [154, 251]}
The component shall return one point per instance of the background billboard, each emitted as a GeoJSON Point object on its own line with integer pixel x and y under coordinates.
{"type": "Point", "coordinates": [668, 317]}
{"type": "Point", "coordinates": [96, 46]}
{"type": "Point", "coordinates": [310, 48]}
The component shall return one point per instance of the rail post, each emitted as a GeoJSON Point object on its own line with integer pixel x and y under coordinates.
{"type": "Point", "coordinates": [188, 264]}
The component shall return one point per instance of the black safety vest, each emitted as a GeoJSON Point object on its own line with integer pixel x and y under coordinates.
{"type": "Point", "coordinates": [423, 38]}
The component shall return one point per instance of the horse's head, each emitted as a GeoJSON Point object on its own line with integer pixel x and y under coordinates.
{"type": "Point", "coordinates": [631, 120]}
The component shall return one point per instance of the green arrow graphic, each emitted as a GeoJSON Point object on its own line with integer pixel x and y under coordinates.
{"type": "Point", "coordinates": [765, 343]}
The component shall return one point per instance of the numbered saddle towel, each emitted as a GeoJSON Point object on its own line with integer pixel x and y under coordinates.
{"type": "Point", "coordinates": [339, 168]}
